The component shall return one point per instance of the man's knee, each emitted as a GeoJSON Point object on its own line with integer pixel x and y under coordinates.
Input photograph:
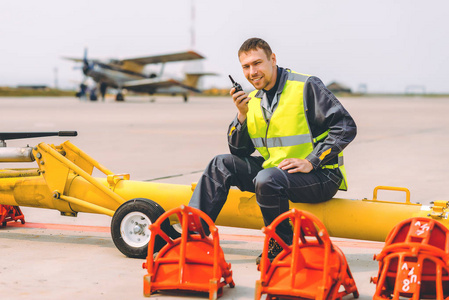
{"type": "Point", "coordinates": [226, 158]}
{"type": "Point", "coordinates": [222, 162]}
{"type": "Point", "coordinates": [269, 182]}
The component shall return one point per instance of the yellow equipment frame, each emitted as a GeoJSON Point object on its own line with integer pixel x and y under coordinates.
{"type": "Point", "coordinates": [64, 182]}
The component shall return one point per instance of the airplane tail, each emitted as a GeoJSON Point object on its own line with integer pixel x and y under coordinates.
{"type": "Point", "coordinates": [192, 79]}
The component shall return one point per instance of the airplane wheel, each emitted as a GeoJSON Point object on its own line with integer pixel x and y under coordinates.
{"type": "Point", "coordinates": [129, 227]}
{"type": "Point", "coordinates": [119, 97]}
{"type": "Point", "coordinates": [186, 98]}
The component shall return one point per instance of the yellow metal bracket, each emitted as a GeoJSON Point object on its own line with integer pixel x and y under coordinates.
{"type": "Point", "coordinates": [439, 209]}
{"type": "Point", "coordinates": [91, 206]}
{"type": "Point", "coordinates": [59, 163]}
{"type": "Point", "coordinates": [392, 188]}
{"type": "Point", "coordinates": [113, 179]}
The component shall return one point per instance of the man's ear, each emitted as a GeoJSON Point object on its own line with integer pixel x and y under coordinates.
{"type": "Point", "coordinates": [273, 59]}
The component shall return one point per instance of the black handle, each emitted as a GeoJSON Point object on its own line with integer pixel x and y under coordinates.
{"type": "Point", "coordinates": [68, 133]}
{"type": "Point", "coordinates": [27, 135]}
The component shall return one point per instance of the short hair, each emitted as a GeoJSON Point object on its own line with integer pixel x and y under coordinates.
{"type": "Point", "coordinates": [254, 44]}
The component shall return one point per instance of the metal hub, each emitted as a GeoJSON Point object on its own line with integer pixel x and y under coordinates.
{"type": "Point", "coordinates": [134, 229]}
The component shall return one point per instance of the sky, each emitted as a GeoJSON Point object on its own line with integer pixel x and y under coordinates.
{"type": "Point", "coordinates": [386, 45]}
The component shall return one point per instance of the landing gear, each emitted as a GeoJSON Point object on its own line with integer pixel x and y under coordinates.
{"type": "Point", "coordinates": [93, 93]}
{"type": "Point", "coordinates": [119, 97]}
{"type": "Point", "coordinates": [103, 88]}
{"type": "Point", "coordinates": [82, 92]}
{"type": "Point", "coordinates": [130, 227]}
{"type": "Point", "coordinates": [186, 98]}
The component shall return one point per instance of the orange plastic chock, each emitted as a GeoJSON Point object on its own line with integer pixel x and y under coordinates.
{"type": "Point", "coordinates": [414, 261]}
{"type": "Point", "coordinates": [192, 262]}
{"type": "Point", "coordinates": [311, 268]}
{"type": "Point", "coordinates": [10, 213]}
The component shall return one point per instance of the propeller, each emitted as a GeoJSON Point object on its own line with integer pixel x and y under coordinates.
{"type": "Point", "coordinates": [86, 65]}
{"type": "Point", "coordinates": [85, 68]}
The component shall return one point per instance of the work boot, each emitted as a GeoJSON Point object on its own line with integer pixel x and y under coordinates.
{"type": "Point", "coordinates": [273, 250]}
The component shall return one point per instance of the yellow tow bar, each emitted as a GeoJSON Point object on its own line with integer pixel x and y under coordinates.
{"type": "Point", "coordinates": [64, 181]}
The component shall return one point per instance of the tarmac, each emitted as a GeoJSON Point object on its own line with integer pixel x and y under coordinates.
{"type": "Point", "coordinates": [401, 141]}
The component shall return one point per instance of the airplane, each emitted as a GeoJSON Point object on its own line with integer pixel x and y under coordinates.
{"type": "Point", "coordinates": [129, 74]}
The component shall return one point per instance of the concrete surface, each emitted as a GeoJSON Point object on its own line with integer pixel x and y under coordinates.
{"type": "Point", "coordinates": [401, 142]}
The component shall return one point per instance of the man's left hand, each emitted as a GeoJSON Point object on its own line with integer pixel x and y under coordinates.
{"type": "Point", "coordinates": [294, 165]}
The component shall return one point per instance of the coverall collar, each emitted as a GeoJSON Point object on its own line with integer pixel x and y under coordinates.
{"type": "Point", "coordinates": [262, 94]}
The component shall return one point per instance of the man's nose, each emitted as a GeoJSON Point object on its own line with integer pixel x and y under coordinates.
{"type": "Point", "coordinates": [253, 70]}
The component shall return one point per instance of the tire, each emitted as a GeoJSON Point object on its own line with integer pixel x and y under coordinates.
{"type": "Point", "coordinates": [169, 230]}
{"type": "Point", "coordinates": [129, 227]}
{"type": "Point", "coordinates": [119, 97]}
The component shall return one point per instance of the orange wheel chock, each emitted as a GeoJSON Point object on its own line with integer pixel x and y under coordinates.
{"type": "Point", "coordinates": [193, 262]}
{"type": "Point", "coordinates": [10, 213]}
{"type": "Point", "coordinates": [311, 268]}
{"type": "Point", "coordinates": [414, 261]}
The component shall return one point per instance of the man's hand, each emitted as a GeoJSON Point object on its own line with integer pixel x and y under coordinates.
{"type": "Point", "coordinates": [241, 102]}
{"type": "Point", "coordinates": [294, 165]}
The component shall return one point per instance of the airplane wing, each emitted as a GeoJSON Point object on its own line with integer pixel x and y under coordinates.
{"type": "Point", "coordinates": [199, 74]}
{"type": "Point", "coordinates": [80, 59]}
{"type": "Point", "coordinates": [152, 85]}
{"type": "Point", "coordinates": [181, 56]}
{"type": "Point", "coordinates": [155, 59]}
{"type": "Point", "coordinates": [73, 59]}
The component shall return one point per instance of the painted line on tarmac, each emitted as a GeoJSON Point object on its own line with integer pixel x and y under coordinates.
{"type": "Point", "coordinates": [225, 237]}
{"type": "Point", "coordinates": [339, 243]}
{"type": "Point", "coordinates": [60, 227]}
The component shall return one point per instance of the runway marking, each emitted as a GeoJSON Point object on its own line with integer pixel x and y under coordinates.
{"type": "Point", "coordinates": [224, 237]}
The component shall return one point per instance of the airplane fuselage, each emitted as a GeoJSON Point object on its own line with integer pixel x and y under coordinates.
{"type": "Point", "coordinates": [112, 76]}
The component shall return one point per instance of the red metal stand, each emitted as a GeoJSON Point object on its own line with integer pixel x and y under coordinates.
{"type": "Point", "coordinates": [414, 261]}
{"type": "Point", "coordinates": [9, 213]}
{"type": "Point", "coordinates": [311, 268]}
{"type": "Point", "coordinates": [192, 262]}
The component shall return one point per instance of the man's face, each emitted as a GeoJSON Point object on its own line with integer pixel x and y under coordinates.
{"type": "Point", "coordinates": [259, 69]}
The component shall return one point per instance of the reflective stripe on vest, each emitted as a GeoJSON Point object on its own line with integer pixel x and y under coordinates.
{"type": "Point", "coordinates": [284, 141]}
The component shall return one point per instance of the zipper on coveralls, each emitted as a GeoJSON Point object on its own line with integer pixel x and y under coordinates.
{"type": "Point", "coordinates": [266, 139]}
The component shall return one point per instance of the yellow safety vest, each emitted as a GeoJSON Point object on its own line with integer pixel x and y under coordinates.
{"type": "Point", "coordinates": [286, 134]}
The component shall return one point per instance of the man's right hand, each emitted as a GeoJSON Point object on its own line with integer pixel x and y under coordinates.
{"type": "Point", "coordinates": [241, 102]}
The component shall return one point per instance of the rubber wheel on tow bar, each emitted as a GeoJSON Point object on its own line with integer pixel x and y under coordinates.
{"type": "Point", "coordinates": [129, 227]}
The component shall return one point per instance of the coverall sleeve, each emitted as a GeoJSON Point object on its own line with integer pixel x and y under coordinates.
{"type": "Point", "coordinates": [239, 142]}
{"type": "Point", "coordinates": [326, 113]}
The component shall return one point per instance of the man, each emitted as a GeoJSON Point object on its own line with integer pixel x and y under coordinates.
{"type": "Point", "coordinates": [300, 129]}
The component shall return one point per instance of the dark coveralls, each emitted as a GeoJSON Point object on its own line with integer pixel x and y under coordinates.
{"type": "Point", "coordinates": [274, 187]}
